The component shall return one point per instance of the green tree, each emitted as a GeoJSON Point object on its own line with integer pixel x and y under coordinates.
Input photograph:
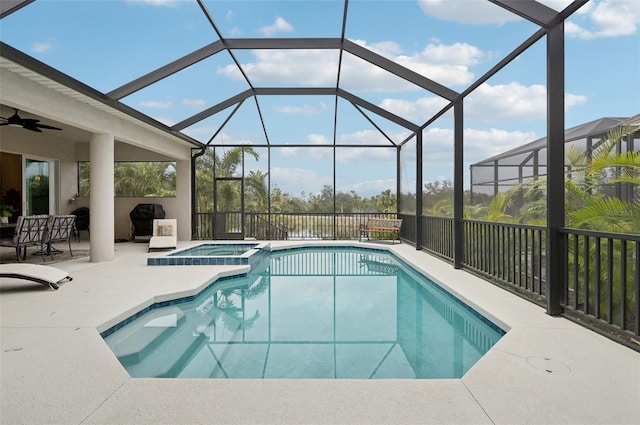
{"type": "Point", "coordinates": [145, 179]}
{"type": "Point", "coordinates": [437, 198]}
{"type": "Point", "coordinates": [385, 202]}
{"type": "Point", "coordinates": [140, 179]}
{"type": "Point", "coordinates": [590, 205]}
{"type": "Point", "coordinates": [323, 202]}
{"type": "Point", "coordinates": [211, 164]}
{"type": "Point", "coordinates": [256, 194]}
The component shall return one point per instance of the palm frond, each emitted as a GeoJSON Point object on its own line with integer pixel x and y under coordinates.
{"type": "Point", "coordinates": [576, 190]}
{"type": "Point", "coordinates": [624, 159]}
{"type": "Point", "coordinates": [575, 159]}
{"type": "Point", "coordinates": [608, 213]}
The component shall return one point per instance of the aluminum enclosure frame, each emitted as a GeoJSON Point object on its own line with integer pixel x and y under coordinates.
{"type": "Point", "coordinates": [551, 25]}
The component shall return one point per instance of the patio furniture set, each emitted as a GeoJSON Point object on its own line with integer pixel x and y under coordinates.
{"type": "Point", "coordinates": [42, 231]}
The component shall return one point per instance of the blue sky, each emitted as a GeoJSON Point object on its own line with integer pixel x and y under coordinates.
{"type": "Point", "coordinates": [108, 43]}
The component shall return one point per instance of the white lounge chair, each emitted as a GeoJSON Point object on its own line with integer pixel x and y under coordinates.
{"type": "Point", "coordinates": [165, 234]}
{"type": "Point", "coordinates": [46, 275]}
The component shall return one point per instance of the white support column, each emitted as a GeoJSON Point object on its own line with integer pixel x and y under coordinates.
{"type": "Point", "coordinates": [101, 156]}
{"type": "Point", "coordinates": [183, 196]}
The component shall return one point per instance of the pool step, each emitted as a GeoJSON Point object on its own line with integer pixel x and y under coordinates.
{"type": "Point", "coordinates": [178, 347]}
{"type": "Point", "coordinates": [136, 345]}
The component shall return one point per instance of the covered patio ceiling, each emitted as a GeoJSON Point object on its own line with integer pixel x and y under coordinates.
{"type": "Point", "coordinates": [211, 79]}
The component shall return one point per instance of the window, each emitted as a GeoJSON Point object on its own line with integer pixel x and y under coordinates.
{"type": "Point", "coordinates": [136, 179]}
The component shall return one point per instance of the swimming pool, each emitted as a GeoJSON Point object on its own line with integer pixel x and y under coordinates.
{"type": "Point", "coordinates": [328, 313]}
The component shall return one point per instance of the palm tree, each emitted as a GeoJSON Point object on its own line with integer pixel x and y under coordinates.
{"type": "Point", "coordinates": [210, 164]}
{"type": "Point", "coordinates": [591, 207]}
{"type": "Point", "coordinates": [142, 179]}
{"type": "Point", "coordinates": [256, 196]}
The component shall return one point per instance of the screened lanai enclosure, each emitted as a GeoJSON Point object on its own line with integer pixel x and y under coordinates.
{"type": "Point", "coordinates": [527, 162]}
{"type": "Point", "coordinates": [306, 118]}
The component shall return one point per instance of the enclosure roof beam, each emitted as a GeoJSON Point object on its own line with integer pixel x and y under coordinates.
{"type": "Point", "coordinates": [282, 43]}
{"type": "Point", "coordinates": [213, 110]}
{"type": "Point", "coordinates": [296, 91]}
{"type": "Point", "coordinates": [399, 70]}
{"type": "Point", "coordinates": [378, 110]}
{"type": "Point", "coordinates": [530, 10]}
{"type": "Point", "coordinates": [167, 70]}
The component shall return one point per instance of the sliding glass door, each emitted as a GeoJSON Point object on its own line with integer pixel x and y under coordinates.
{"type": "Point", "coordinates": [38, 186]}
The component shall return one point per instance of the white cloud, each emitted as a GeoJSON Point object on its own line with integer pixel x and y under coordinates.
{"type": "Point", "coordinates": [512, 101]}
{"type": "Point", "coordinates": [318, 139]}
{"type": "Point", "coordinates": [345, 155]}
{"type": "Point", "coordinates": [278, 26]}
{"type": "Point", "coordinates": [417, 111]}
{"type": "Point", "coordinates": [467, 12]}
{"type": "Point", "coordinates": [370, 137]}
{"type": "Point", "coordinates": [478, 145]}
{"type": "Point", "coordinates": [193, 103]}
{"type": "Point", "coordinates": [154, 104]}
{"type": "Point", "coordinates": [43, 46]}
{"type": "Point", "coordinates": [309, 110]}
{"type": "Point", "coordinates": [370, 188]}
{"type": "Point", "coordinates": [482, 144]}
{"type": "Point", "coordinates": [296, 180]}
{"type": "Point", "coordinates": [311, 68]}
{"type": "Point", "coordinates": [489, 103]}
{"type": "Point", "coordinates": [454, 54]}
{"type": "Point", "coordinates": [446, 64]}
{"type": "Point", "coordinates": [609, 18]}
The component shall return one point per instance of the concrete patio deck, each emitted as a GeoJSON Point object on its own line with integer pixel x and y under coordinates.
{"type": "Point", "coordinates": [56, 369]}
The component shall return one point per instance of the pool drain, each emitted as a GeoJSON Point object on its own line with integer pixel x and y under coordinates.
{"type": "Point", "coordinates": [547, 365]}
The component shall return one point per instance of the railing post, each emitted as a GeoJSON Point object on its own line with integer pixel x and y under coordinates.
{"type": "Point", "coordinates": [556, 248]}
{"type": "Point", "coordinates": [418, 235]}
{"type": "Point", "coordinates": [458, 184]}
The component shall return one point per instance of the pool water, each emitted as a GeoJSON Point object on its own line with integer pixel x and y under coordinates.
{"type": "Point", "coordinates": [328, 313]}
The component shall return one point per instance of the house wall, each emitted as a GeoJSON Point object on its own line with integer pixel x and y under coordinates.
{"type": "Point", "coordinates": [68, 153]}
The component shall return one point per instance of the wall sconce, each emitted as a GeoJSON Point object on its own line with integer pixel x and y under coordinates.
{"type": "Point", "coordinates": [73, 198]}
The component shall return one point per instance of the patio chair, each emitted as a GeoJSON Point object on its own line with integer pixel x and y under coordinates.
{"type": "Point", "coordinates": [60, 228]}
{"type": "Point", "coordinates": [165, 234]}
{"type": "Point", "coordinates": [30, 231]}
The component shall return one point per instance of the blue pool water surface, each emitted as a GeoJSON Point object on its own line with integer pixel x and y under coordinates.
{"type": "Point", "coordinates": [330, 313]}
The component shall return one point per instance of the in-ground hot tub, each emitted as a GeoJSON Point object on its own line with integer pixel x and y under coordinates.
{"type": "Point", "coordinates": [214, 254]}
